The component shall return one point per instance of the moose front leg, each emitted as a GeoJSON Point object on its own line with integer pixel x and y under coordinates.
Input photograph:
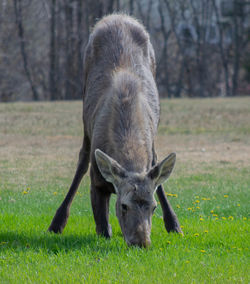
{"type": "Point", "coordinates": [170, 219]}
{"type": "Point", "coordinates": [60, 219]}
{"type": "Point", "coordinates": [100, 206]}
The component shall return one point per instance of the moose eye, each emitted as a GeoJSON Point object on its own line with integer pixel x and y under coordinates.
{"type": "Point", "coordinates": [124, 208]}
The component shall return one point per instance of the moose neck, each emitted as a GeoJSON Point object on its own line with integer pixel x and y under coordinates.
{"type": "Point", "coordinates": [131, 123]}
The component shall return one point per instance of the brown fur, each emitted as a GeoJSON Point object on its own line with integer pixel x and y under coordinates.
{"type": "Point", "coordinates": [120, 116]}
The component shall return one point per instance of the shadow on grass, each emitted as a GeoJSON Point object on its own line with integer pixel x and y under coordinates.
{"type": "Point", "coordinates": [54, 244]}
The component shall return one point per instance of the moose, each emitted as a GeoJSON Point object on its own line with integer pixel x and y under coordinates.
{"type": "Point", "coordinates": [120, 116]}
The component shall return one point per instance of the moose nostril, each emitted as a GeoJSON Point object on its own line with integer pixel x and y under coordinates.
{"type": "Point", "coordinates": [124, 207]}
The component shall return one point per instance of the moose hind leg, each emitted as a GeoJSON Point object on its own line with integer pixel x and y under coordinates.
{"type": "Point", "coordinates": [60, 219]}
{"type": "Point", "coordinates": [170, 219]}
{"type": "Point", "coordinates": [100, 206]}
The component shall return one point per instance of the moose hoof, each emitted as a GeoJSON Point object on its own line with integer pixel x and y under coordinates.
{"type": "Point", "coordinates": [105, 232]}
{"type": "Point", "coordinates": [173, 226]}
{"type": "Point", "coordinates": [55, 228]}
{"type": "Point", "coordinates": [57, 225]}
{"type": "Point", "coordinates": [59, 221]}
{"type": "Point", "coordinates": [176, 230]}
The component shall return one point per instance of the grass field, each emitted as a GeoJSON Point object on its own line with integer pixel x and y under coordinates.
{"type": "Point", "coordinates": [209, 190]}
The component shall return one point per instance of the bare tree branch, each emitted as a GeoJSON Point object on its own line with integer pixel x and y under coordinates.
{"type": "Point", "coordinates": [222, 51]}
{"type": "Point", "coordinates": [19, 23]}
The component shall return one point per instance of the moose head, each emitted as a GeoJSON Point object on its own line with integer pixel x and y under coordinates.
{"type": "Point", "coordinates": [135, 203]}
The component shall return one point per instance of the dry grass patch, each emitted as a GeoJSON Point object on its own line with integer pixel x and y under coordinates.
{"type": "Point", "coordinates": [47, 136]}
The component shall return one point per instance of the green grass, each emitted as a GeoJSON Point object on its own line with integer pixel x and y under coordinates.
{"type": "Point", "coordinates": [38, 153]}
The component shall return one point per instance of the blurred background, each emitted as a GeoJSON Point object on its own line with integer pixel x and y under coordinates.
{"type": "Point", "coordinates": [202, 46]}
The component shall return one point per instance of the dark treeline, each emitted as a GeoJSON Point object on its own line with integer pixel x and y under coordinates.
{"type": "Point", "coordinates": [202, 46]}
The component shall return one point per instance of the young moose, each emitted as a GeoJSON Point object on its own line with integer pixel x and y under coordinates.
{"type": "Point", "coordinates": [120, 116]}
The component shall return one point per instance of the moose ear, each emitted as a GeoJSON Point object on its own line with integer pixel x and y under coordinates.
{"type": "Point", "coordinates": [160, 172]}
{"type": "Point", "coordinates": [111, 170]}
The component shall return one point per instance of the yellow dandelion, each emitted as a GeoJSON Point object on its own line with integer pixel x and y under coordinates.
{"type": "Point", "coordinates": [190, 209]}
{"type": "Point", "coordinates": [244, 218]}
{"type": "Point", "coordinates": [223, 218]}
{"type": "Point", "coordinates": [197, 207]}
{"type": "Point", "coordinates": [215, 215]}
{"type": "Point", "coordinates": [201, 219]}
{"type": "Point", "coordinates": [225, 195]}
{"type": "Point", "coordinates": [55, 193]}
{"type": "Point", "coordinates": [25, 192]}
{"type": "Point", "coordinates": [206, 231]}
{"type": "Point", "coordinates": [168, 242]}
{"type": "Point", "coordinates": [175, 195]}
{"type": "Point", "coordinates": [216, 218]}
{"type": "Point", "coordinates": [197, 197]}
{"type": "Point", "coordinates": [212, 211]}
{"type": "Point", "coordinates": [238, 204]}
{"type": "Point", "coordinates": [187, 261]}
{"type": "Point", "coordinates": [178, 206]}
{"type": "Point", "coordinates": [196, 235]}
{"type": "Point", "coordinates": [182, 227]}
{"type": "Point", "coordinates": [202, 250]}
{"type": "Point", "coordinates": [197, 201]}
{"type": "Point", "coordinates": [28, 188]}
{"type": "Point", "coordinates": [230, 218]}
